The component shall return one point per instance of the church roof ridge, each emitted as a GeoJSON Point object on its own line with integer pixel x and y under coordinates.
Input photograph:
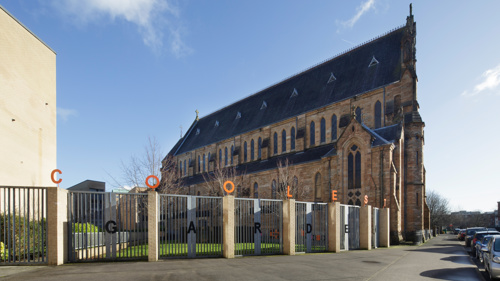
{"type": "Point", "coordinates": [309, 68]}
{"type": "Point", "coordinates": [353, 76]}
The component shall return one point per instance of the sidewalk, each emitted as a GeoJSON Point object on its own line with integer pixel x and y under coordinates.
{"type": "Point", "coordinates": [440, 258]}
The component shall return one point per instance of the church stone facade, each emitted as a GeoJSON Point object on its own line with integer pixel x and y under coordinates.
{"type": "Point", "coordinates": [350, 124]}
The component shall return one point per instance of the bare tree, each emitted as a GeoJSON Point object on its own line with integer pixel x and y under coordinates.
{"type": "Point", "coordinates": [171, 179]}
{"type": "Point", "coordinates": [287, 176]}
{"type": "Point", "coordinates": [439, 209]}
{"type": "Point", "coordinates": [215, 180]}
{"type": "Point", "coordinates": [138, 168]}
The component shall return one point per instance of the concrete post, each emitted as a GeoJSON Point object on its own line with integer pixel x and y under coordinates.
{"type": "Point", "coordinates": [384, 227]}
{"type": "Point", "coordinates": [289, 227]}
{"type": "Point", "coordinates": [334, 227]}
{"type": "Point", "coordinates": [228, 226]}
{"type": "Point", "coordinates": [365, 227]}
{"type": "Point", "coordinates": [152, 225]}
{"type": "Point", "coordinates": [57, 221]}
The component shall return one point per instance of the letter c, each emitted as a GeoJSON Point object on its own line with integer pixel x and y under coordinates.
{"type": "Point", "coordinates": [52, 176]}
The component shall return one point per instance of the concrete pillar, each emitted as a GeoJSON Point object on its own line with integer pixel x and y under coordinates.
{"type": "Point", "coordinates": [365, 227]}
{"type": "Point", "coordinates": [289, 227]}
{"type": "Point", "coordinates": [228, 226]}
{"type": "Point", "coordinates": [152, 225]}
{"type": "Point", "coordinates": [334, 227]}
{"type": "Point", "coordinates": [57, 221]}
{"type": "Point", "coordinates": [384, 227]}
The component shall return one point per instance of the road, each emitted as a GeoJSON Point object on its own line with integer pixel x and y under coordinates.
{"type": "Point", "coordinates": [442, 258]}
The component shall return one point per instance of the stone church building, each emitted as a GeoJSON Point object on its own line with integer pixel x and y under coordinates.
{"type": "Point", "coordinates": [350, 124]}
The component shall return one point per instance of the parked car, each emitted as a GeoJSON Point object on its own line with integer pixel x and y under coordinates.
{"type": "Point", "coordinates": [481, 247]}
{"type": "Point", "coordinates": [477, 236]}
{"type": "Point", "coordinates": [470, 232]}
{"type": "Point", "coordinates": [456, 231]}
{"type": "Point", "coordinates": [492, 257]}
{"type": "Point", "coordinates": [461, 235]}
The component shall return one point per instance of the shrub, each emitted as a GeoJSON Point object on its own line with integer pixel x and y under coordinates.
{"type": "Point", "coordinates": [23, 235]}
{"type": "Point", "coordinates": [85, 228]}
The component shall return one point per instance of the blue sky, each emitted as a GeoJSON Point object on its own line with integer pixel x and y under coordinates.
{"type": "Point", "coordinates": [129, 69]}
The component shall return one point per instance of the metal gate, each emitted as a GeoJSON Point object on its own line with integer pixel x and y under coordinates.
{"type": "Point", "coordinates": [23, 226]}
{"type": "Point", "coordinates": [311, 227]}
{"type": "Point", "coordinates": [375, 227]}
{"type": "Point", "coordinates": [107, 226]}
{"type": "Point", "coordinates": [258, 226]}
{"type": "Point", "coordinates": [349, 224]}
{"type": "Point", "coordinates": [190, 226]}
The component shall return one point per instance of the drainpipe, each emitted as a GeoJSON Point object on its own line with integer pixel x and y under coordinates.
{"type": "Point", "coordinates": [382, 175]}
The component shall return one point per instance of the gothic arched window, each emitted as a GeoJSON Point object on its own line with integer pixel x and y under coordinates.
{"type": "Point", "coordinates": [273, 190]}
{"type": "Point", "coordinates": [180, 164]}
{"type": "Point", "coordinates": [283, 140]}
{"type": "Point", "coordinates": [358, 202]}
{"type": "Point", "coordinates": [292, 139]}
{"type": "Point", "coordinates": [220, 157]}
{"type": "Point", "coordinates": [275, 142]}
{"type": "Point", "coordinates": [225, 156]}
{"type": "Point", "coordinates": [358, 114]}
{"type": "Point", "coordinates": [334, 127]}
{"type": "Point", "coordinates": [252, 150]}
{"type": "Point", "coordinates": [185, 168]}
{"type": "Point", "coordinates": [259, 149]}
{"type": "Point", "coordinates": [354, 168]}
{"type": "Point", "coordinates": [378, 115]}
{"type": "Point", "coordinates": [312, 134]}
{"type": "Point", "coordinates": [357, 164]}
{"type": "Point", "coordinates": [317, 186]}
{"type": "Point", "coordinates": [199, 163]}
{"type": "Point", "coordinates": [322, 137]}
{"type": "Point", "coordinates": [255, 190]}
{"type": "Point", "coordinates": [232, 154]}
{"type": "Point", "coordinates": [245, 152]}
{"type": "Point", "coordinates": [203, 162]}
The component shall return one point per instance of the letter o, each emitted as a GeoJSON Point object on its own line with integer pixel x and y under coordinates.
{"type": "Point", "coordinates": [231, 183]}
{"type": "Point", "coordinates": [157, 181]}
{"type": "Point", "coordinates": [52, 176]}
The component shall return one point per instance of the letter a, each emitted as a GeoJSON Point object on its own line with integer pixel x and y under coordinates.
{"type": "Point", "coordinates": [191, 227]}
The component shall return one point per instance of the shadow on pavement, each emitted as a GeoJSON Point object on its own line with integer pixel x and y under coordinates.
{"type": "Point", "coordinates": [457, 274]}
{"type": "Point", "coordinates": [457, 259]}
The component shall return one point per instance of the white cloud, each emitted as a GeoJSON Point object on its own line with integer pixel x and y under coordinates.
{"type": "Point", "coordinates": [66, 113]}
{"type": "Point", "coordinates": [152, 18]}
{"type": "Point", "coordinates": [490, 81]}
{"type": "Point", "coordinates": [362, 9]}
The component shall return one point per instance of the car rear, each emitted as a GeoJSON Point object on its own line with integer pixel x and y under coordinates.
{"type": "Point", "coordinates": [492, 257]}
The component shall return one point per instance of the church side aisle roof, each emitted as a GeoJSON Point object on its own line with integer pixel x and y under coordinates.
{"type": "Point", "coordinates": [303, 92]}
{"type": "Point", "coordinates": [294, 158]}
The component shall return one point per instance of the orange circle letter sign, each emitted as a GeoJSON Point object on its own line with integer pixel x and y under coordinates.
{"type": "Point", "coordinates": [156, 184]}
{"type": "Point", "coordinates": [231, 183]}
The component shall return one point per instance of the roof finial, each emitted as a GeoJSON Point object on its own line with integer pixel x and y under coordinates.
{"type": "Point", "coordinates": [197, 115]}
{"type": "Point", "coordinates": [410, 9]}
{"type": "Point", "coordinates": [353, 112]}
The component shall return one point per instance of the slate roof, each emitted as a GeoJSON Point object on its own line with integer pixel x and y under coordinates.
{"type": "Point", "coordinates": [353, 77]}
{"type": "Point", "coordinates": [385, 135]}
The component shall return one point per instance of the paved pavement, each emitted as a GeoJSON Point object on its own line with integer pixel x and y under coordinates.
{"type": "Point", "coordinates": [440, 258]}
